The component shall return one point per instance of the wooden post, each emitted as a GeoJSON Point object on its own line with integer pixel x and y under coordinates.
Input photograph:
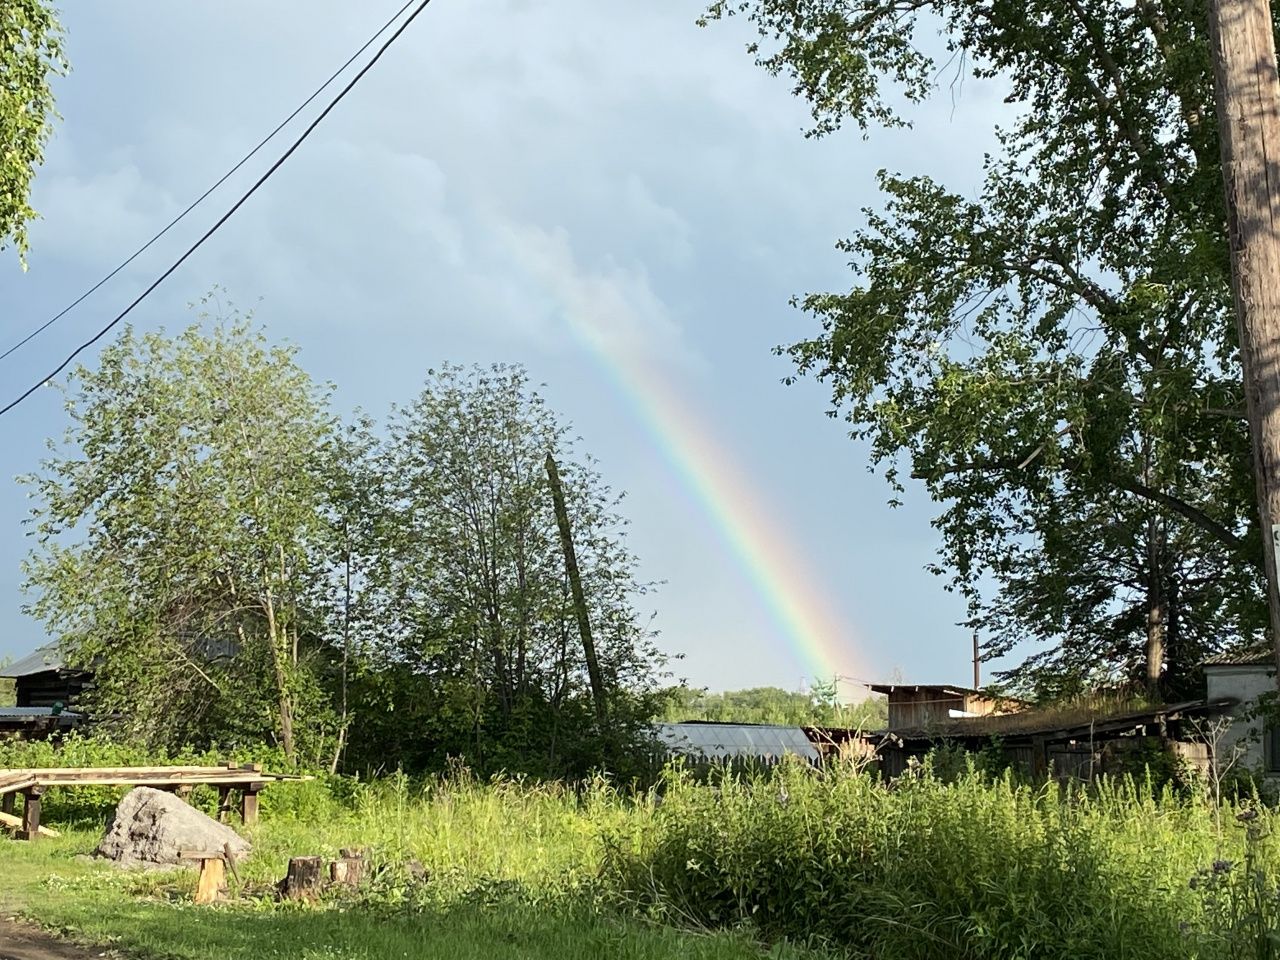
{"type": "Point", "coordinates": [7, 803]}
{"type": "Point", "coordinates": [224, 804]}
{"type": "Point", "coordinates": [575, 585]}
{"type": "Point", "coordinates": [1242, 45]}
{"type": "Point", "coordinates": [212, 882]}
{"type": "Point", "coordinates": [249, 803]}
{"type": "Point", "coordinates": [1039, 757]}
{"type": "Point", "coordinates": [31, 813]}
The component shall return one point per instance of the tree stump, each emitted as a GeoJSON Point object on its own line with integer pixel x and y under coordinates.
{"type": "Point", "coordinates": [304, 879]}
{"type": "Point", "coordinates": [348, 871]}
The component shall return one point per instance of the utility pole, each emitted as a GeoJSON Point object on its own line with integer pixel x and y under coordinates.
{"type": "Point", "coordinates": [575, 585]}
{"type": "Point", "coordinates": [1248, 107]}
{"type": "Point", "coordinates": [976, 678]}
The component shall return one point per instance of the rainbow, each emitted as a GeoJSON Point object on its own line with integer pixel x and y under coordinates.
{"type": "Point", "coordinates": [782, 578]}
{"type": "Point", "coordinates": [615, 316]}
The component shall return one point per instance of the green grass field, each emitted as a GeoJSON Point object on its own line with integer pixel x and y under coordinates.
{"type": "Point", "coordinates": [151, 916]}
{"type": "Point", "coordinates": [796, 864]}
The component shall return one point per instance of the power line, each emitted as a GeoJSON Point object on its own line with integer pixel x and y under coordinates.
{"type": "Point", "coordinates": [224, 218]}
{"type": "Point", "coordinates": [225, 177]}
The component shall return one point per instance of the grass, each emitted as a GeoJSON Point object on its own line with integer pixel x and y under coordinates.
{"type": "Point", "coordinates": [149, 916]}
{"type": "Point", "coordinates": [970, 867]}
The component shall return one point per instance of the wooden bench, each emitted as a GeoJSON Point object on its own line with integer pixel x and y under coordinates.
{"type": "Point", "coordinates": [247, 780]}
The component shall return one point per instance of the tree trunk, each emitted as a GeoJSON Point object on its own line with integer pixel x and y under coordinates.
{"type": "Point", "coordinates": [1156, 613]}
{"type": "Point", "coordinates": [284, 704]}
{"type": "Point", "coordinates": [575, 585]}
{"type": "Point", "coordinates": [1248, 107]}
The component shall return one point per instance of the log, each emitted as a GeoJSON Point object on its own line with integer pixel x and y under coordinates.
{"type": "Point", "coordinates": [10, 822]}
{"type": "Point", "coordinates": [304, 879]}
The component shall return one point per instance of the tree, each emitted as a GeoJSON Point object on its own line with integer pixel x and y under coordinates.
{"type": "Point", "coordinates": [1055, 359]}
{"type": "Point", "coordinates": [181, 530]}
{"type": "Point", "coordinates": [479, 651]}
{"type": "Point", "coordinates": [821, 707]}
{"type": "Point", "coordinates": [30, 56]}
{"type": "Point", "coordinates": [1242, 37]}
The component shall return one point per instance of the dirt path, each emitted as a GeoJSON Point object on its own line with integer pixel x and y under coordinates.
{"type": "Point", "coordinates": [22, 941]}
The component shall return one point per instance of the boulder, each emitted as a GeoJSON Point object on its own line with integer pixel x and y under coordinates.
{"type": "Point", "coordinates": [152, 827]}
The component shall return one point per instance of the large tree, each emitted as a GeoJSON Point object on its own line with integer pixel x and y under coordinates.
{"type": "Point", "coordinates": [30, 56]}
{"type": "Point", "coordinates": [182, 528]}
{"type": "Point", "coordinates": [479, 651]}
{"type": "Point", "coordinates": [1055, 358]}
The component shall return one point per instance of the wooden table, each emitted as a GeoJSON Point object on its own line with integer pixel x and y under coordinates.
{"type": "Point", "coordinates": [248, 780]}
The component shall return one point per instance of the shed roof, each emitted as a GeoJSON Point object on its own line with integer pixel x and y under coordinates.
{"type": "Point", "coordinates": [46, 658]}
{"type": "Point", "coordinates": [1254, 656]}
{"type": "Point", "coordinates": [1056, 725]}
{"type": "Point", "coordinates": [720, 741]}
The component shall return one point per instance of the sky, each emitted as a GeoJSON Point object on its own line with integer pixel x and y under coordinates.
{"type": "Point", "coordinates": [598, 190]}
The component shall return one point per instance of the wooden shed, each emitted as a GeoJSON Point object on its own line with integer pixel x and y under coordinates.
{"type": "Point", "coordinates": [933, 706]}
{"type": "Point", "coordinates": [42, 679]}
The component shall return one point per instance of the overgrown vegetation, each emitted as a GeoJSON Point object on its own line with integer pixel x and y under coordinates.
{"type": "Point", "coordinates": [967, 867]}
{"type": "Point", "coordinates": [238, 567]}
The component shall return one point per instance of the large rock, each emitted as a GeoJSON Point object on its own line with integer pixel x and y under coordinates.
{"type": "Point", "coordinates": [150, 827]}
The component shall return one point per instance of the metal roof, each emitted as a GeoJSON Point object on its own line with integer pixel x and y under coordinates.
{"type": "Point", "coordinates": [723, 741]}
{"type": "Point", "coordinates": [48, 657]}
{"type": "Point", "coordinates": [22, 713]}
{"type": "Point", "coordinates": [1257, 656]}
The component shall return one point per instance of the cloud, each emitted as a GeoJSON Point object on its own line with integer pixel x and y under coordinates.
{"type": "Point", "coordinates": [611, 307]}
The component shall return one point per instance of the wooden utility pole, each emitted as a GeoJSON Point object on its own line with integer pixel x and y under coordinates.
{"type": "Point", "coordinates": [1248, 106]}
{"type": "Point", "coordinates": [575, 585]}
{"type": "Point", "coordinates": [976, 660]}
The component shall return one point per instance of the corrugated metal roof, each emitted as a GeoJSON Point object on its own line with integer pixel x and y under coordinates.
{"type": "Point", "coordinates": [48, 657]}
{"type": "Point", "coordinates": [1242, 658]}
{"type": "Point", "coordinates": [723, 741]}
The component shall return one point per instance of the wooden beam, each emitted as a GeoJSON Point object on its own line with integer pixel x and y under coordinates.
{"type": "Point", "coordinates": [249, 803]}
{"type": "Point", "coordinates": [10, 822]}
{"type": "Point", "coordinates": [30, 829]}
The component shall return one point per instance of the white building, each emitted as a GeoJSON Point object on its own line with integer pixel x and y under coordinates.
{"type": "Point", "coordinates": [1243, 678]}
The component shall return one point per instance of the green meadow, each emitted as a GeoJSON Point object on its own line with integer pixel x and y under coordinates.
{"type": "Point", "coordinates": [787, 864]}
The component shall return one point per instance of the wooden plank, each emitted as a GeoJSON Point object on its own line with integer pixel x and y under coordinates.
{"type": "Point", "coordinates": [10, 822]}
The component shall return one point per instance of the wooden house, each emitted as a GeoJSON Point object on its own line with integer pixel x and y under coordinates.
{"type": "Point", "coordinates": [42, 679]}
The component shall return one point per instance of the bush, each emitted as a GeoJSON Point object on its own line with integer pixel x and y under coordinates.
{"type": "Point", "coordinates": [970, 868]}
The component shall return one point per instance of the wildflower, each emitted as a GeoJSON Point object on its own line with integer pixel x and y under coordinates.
{"type": "Point", "coordinates": [1221, 866]}
{"type": "Point", "coordinates": [1247, 816]}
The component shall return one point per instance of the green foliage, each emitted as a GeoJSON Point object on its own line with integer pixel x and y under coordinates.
{"type": "Point", "coordinates": [774, 705]}
{"type": "Point", "coordinates": [180, 530]}
{"type": "Point", "coordinates": [475, 650]}
{"type": "Point", "coordinates": [30, 56]}
{"type": "Point", "coordinates": [965, 867]}
{"type": "Point", "coordinates": [1054, 357]}
{"type": "Point", "coordinates": [237, 569]}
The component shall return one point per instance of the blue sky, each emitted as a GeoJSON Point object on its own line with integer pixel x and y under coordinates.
{"type": "Point", "coordinates": [504, 164]}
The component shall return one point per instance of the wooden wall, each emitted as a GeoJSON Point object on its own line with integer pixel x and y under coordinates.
{"type": "Point", "coordinates": [46, 689]}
